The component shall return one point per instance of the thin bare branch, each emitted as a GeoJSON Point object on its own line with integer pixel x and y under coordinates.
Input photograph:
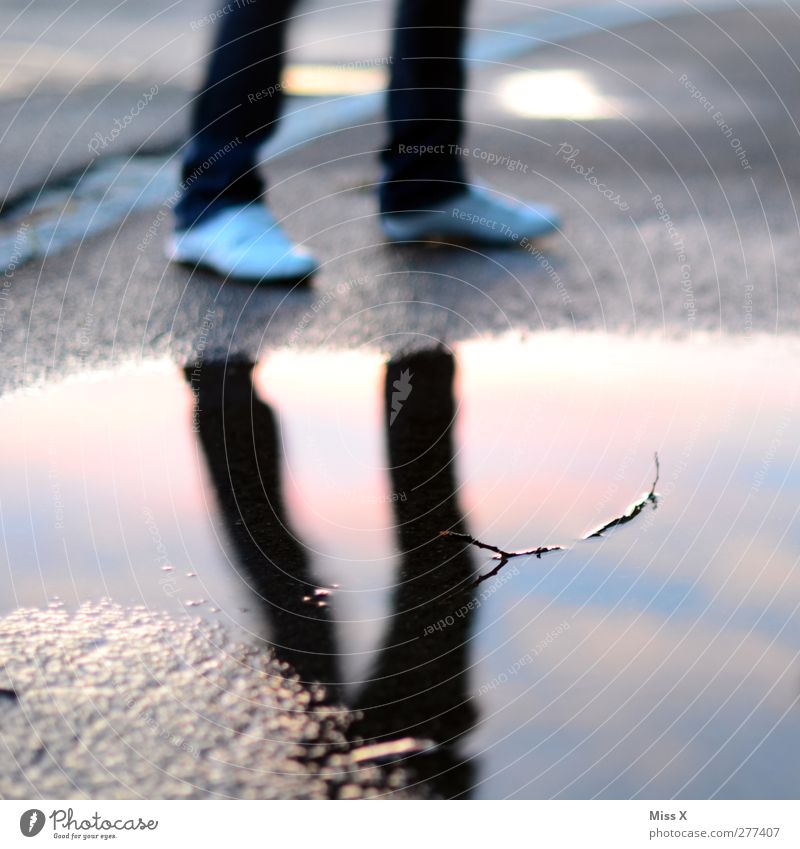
{"type": "Point", "coordinates": [633, 509]}
{"type": "Point", "coordinates": [503, 556]}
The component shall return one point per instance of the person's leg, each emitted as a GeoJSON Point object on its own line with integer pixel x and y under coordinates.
{"type": "Point", "coordinates": [220, 222]}
{"type": "Point", "coordinates": [425, 194]}
{"type": "Point", "coordinates": [425, 105]}
{"type": "Point", "coordinates": [240, 438]}
{"type": "Point", "coordinates": [235, 110]}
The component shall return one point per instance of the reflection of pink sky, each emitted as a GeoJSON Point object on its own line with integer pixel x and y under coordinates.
{"type": "Point", "coordinates": [329, 406]}
{"type": "Point", "coordinates": [111, 432]}
{"type": "Point", "coordinates": [552, 424]}
{"type": "Point", "coordinates": [83, 461]}
{"type": "Point", "coordinates": [553, 434]}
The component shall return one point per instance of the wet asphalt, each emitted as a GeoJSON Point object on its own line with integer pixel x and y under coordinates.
{"type": "Point", "coordinates": [704, 243]}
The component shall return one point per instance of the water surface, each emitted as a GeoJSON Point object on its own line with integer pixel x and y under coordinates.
{"type": "Point", "coordinates": [299, 500]}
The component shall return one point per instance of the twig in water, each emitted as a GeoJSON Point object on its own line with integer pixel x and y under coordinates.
{"type": "Point", "coordinates": [504, 556]}
{"type": "Point", "coordinates": [499, 554]}
{"type": "Point", "coordinates": [633, 510]}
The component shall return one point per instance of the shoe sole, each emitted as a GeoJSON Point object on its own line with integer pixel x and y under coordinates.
{"type": "Point", "coordinates": [264, 280]}
{"type": "Point", "coordinates": [465, 239]}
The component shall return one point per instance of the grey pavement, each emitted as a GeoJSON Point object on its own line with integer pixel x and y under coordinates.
{"type": "Point", "coordinates": [144, 708]}
{"type": "Point", "coordinates": [706, 243]}
{"type": "Point", "coordinates": [67, 73]}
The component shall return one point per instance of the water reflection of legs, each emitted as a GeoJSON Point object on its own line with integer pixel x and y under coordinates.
{"type": "Point", "coordinates": [240, 439]}
{"type": "Point", "coordinates": [418, 686]}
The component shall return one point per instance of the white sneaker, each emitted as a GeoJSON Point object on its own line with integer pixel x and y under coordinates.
{"type": "Point", "coordinates": [476, 216]}
{"type": "Point", "coordinates": [243, 242]}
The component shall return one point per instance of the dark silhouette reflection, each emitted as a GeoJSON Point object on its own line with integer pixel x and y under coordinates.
{"type": "Point", "coordinates": [418, 685]}
{"type": "Point", "coordinates": [240, 439]}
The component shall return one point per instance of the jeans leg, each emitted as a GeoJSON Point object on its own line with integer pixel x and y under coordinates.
{"type": "Point", "coordinates": [235, 110]}
{"type": "Point", "coordinates": [425, 104]}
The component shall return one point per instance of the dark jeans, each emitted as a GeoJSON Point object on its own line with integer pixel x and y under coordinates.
{"type": "Point", "coordinates": [238, 107]}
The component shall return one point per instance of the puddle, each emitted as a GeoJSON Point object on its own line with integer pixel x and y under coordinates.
{"type": "Point", "coordinates": [659, 660]}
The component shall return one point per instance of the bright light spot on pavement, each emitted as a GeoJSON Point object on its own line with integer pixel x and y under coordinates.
{"type": "Point", "coordinates": [554, 94]}
{"type": "Point", "coordinates": [332, 80]}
